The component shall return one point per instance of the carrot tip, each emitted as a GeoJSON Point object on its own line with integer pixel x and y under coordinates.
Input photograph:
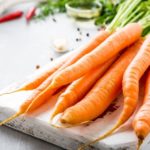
{"type": "Point", "coordinates": [7, 93]}
{"type": "Point", "coordinates": [56, 126]}
{"type": "Point", "coordinates": [54, 113]}
{"type": "Point", "coordinates": [52, 116]}
{"type": "Point", "coordinates": [59, 125]}
{"type": "Point", "coordinates": [140, 141]}
{"type": "Point", "coordinates": [82, 147]}
{"type": "Point", "coordinates": [10, 118]}
{"type": "Point", "coordinates": [64, 125]}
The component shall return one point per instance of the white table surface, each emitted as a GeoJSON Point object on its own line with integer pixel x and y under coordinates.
{"type": "Point", "coordinates": [22, 47]}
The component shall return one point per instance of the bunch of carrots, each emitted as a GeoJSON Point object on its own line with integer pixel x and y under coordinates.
{"type": "Point", "coordinates": [91, 78]}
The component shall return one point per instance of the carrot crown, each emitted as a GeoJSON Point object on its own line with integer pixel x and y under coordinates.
{"type": "Point", "coordinates": [145, 22]}
{"type": "Point", "coordinates": [123, 14]}
{"type": "Point", "coordinates": [132, 11]}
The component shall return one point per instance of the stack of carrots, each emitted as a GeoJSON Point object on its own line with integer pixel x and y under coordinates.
{"type": "Point", "coordinates": [113, 61]}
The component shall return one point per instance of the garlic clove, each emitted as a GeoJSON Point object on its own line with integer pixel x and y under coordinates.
{"type": "Point", "coordinates": [60, 45]}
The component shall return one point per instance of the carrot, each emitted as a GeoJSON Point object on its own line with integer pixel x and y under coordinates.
{"type": "Point", "coordinates": [41, 94]}
{"type": "Point", "coordinates": [103, 93]}
{"type": "Point", "coordinates": [77, 90]}
{"type": "Point", "coordinates": [141, 122]}
{"type": "Point", "coordinates": [21, 111]}
{"type": "Point", "coordinates": [35, 80]}
{"type": "Point", "coordinates": [71, 58]}
{"type": "Point", "coordinates": [44, 91]}
{"type": "Point", "coordinates": [92, 44]}
{"type": "Point", "coordinates": [38, 96]}
{"type": "Point", "coordinates": [25, 105]}
{"type": "Point", "coordinates": [131, 84]}
{"type": "Point", "coordinates": [110, 47]}
{"type": "Point", "coordinates": [131, 79]}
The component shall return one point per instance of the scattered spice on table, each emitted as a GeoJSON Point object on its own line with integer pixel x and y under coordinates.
{"type": "Point", "coordinates": [54, 20]}
{"type": "Point", "coordinates": [78, 29]}
{"type": "Point", "coordinates": [87, 34]}
{"type": "Point", "coordinates": [78, 39]}
{"type": "Point", "coordinates": [98, 29]}
{"type": "Point", "coordinates": [51, 59]}
{"type": "Point", "coordinates": [80, 33]}
{"type": "Point", "coordinates": [37, 66]}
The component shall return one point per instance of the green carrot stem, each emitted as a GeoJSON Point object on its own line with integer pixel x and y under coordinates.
{"type": "Point", "coordinates": [123, 13]}
{"type": "Point", "coordinates": [145, 21]}
{"type": "Point", "coordinates": [124, 6]}
{"type": "Point", "coordinates": [127, 13]}
{"type": "Point", "coordinates": [130, 17]}
{"type": "Point", "coordinates": [137, 17]}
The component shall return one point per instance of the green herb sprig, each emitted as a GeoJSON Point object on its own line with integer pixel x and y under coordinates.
{"type": "Point", "coordinates": [108, 12]}
{"type": "Point", "coordinates": [49, 7]}
{"type": "Point", "coordinates": [109, 9]}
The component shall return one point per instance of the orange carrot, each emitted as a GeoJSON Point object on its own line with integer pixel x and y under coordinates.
{"type": "Point", "coordinates": [131, 79]}
{"type": "Point", "coordinates": [41, 94]}
{"type": "Point", "coordinates": [44, 91]}
{"type": "Point", "coordinates": [77, 90]}
{"type": "Point", "coordinates": [110, 47]}
{"type": "Point", "coordinates": [141, 122]}
{"type": "Point", "coordinates": [91, 45]}
{"type": "Point", "coordinates": [21, 111]}
{"type": "Point", "coordinates": [25, 105]}
{"type": "Point", "coordinates": [35, 80]}
{"type": "Point", "coordinates": [103, 93]}
{"type": "Point", "coordinates": [48, 105]}
{"type": "Point", "coordinates": [65, 61]}
{"type": "Point", "coordinates": [131, 85]}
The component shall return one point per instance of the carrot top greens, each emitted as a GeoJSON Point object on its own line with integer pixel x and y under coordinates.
{"type": "Point", "coordinates": [116, 13]}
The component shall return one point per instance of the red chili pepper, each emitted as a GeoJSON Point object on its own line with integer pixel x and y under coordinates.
{"type": "Point", "coordinates": [30, 14]}
{"type": "Point", "coordinates": [11, 16]}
